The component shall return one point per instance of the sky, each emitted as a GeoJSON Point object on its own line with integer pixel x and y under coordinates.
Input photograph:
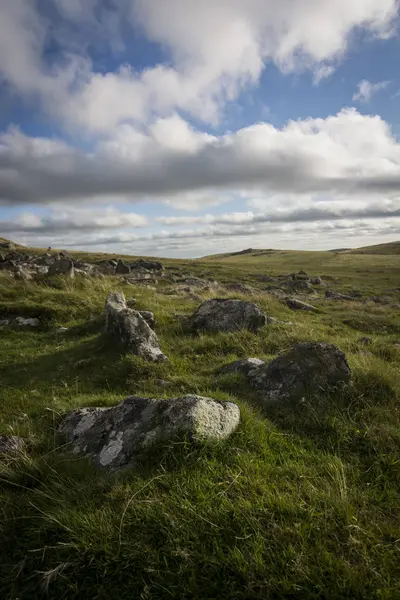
{"type": "Point", "coordinates": [183, 128]}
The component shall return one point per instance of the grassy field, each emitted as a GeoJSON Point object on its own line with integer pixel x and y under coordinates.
{"type": "Point", "coordinates": [301, 502]}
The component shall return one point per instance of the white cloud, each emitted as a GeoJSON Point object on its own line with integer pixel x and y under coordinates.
{"type": "Point", "coordinates": [366, 90]}
{"type": "Point", "coordinates": [342, 154]}
{"type": "Point", "coordinates": [322, 72]}
{"type": "Point", "coordinates": [216, 48]}
{"type": "Point", "coordinates": [73, 219]}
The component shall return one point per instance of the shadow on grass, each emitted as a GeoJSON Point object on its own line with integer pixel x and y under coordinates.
{"type": "Point", "coordinates": [94, 363]}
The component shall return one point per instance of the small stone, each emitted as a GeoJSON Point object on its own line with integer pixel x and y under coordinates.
{"type": "Point", "coordinates": [27, 322]}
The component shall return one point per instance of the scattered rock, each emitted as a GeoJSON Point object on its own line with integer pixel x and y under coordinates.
{"type": "Point", "coordinates": [114, 437]}
{"type": "Point", "coordinates": [307, 369]}
{"type": "Point", "coordinates": [219, 314]}
{"type": "Point", "coordinates": [242, 366]}
{"type": "Point", "coordinates": [130, 330]}
{"type": "Point", "coordinates": [11, 444]}
{"type": "Point", "coordinates": [64, 266]}
{"type": "Point", "coordinates": [150, 265]}
{"type": "Point", "coordinates": [4, 322]}
{"type": "Point", "coordinates": [33, 322]}
{"type": "Point", "coordinates": [122, 268]}
{"type": "Point", "coordinates": [296, 304]}
{"type": "Point", "coordinates": [316, 280]}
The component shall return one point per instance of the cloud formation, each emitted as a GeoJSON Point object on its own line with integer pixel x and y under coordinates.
{"type": "Point", "coordinates": [215, 49]}
{"type": "Point", "coordinates": [346, 153]}
{"type": "Point", "coordinates": [366, 90]}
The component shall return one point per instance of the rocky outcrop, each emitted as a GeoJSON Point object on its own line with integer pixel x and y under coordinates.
{"type": "Point", "coordinates": [220, 314]}
{"type": "Point", "coordinates": [115, 437]}
{"type": "Point", "coordinates": [308, 369]}
{"type": "Point", "coordinates": [149, 265]}
{"type": "Point", "coordinates": [64, 266]}
{"type": "Point", "coordinates": [122, 268]}
{"type": "Point", "coordinates": [130, 330]}
{"type": "Point", "coordinates": [331, 295]}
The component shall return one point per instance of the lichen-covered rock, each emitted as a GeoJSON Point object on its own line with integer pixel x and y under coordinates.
{"type": "Point", "coordinates": [244, 366]}
{"type": "Point", "coordinates": [64, 266]}
{"type": "Point", "coordinates": [220, 314]}
{"type": "Point", "coordinates": [114, 437]}
{"type": "Point", "coordinates": [11, 444]}
{"type": "Point", "coordinates": [308, 369]}
{"type": "Point", "coordinates": [130, 330]}
{"type": "Point", "coordinates": [296, 304]}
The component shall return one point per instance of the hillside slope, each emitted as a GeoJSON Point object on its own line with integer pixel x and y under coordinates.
{"type": "Point", "coordinates": [389, 248]}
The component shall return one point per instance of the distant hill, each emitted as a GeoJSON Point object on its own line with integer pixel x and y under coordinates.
{"type": "Point", "coordinates": [389, 248]}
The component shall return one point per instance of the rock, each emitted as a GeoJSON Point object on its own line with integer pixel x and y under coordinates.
{"type": "Point", "coordinates": [150, 265]}
{"type": "Point", "coordinates": [130, 330]}
{"type": "Point", "coordinates": [148, 316]}
{"type": "Point", "coordinates": [309, 368]}
{"type": "Point", "coordinates": [301, 275]}
{"type": "Point", "coordinates": [64, 266]}
{"type": "Point", "coordinates": [316, 280]}
{"type": "Point", "coordinates": [61, 329]}
{"type": "Point", "coordinates": [219, 314]}
{"type": "Point", "coordinates": [114, 437]}
{"type": "Point", "coordinates": [23, 275]}
{"type": "Point", "coordinates": [299, 284]}
{"type": "Point", "coordinates": [11, 444]}
{"type": "Point", "coordinates": [4, 322]}
{"type": "Point", "coordinates": [240, 288]}
{"type": "Point", "coordinates": [122, 268]}
{"type": "Point", "coordinates": [296, 304]}
{"type": "Point", "coordinates": [242, 366]}
{"type": "Point", "coordinates": [27, 322]}
{"type": "Point", "coordinates": [331, 295]}
{"type": "Point", "coordinates": [366, 341]}
{"type": "Point", "coordinates": [197, 282]}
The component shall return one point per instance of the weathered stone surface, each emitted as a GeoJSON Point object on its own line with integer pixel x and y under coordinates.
{"type": "Point", "coordinates": [64, 266]}
{"type": "Point", "coordinates": [148, 316]}
{"type": "Point", "coordinates": [150, 265]}
{"type": "Point", "coordinates": [115, 437]}
{"type": "Point", "coordinates": [220, 314]}
{"type": "Point", "coordinates": [122, 268]}
{"type": "Point", "coordinates": [242, 366]}
{"type": "Point", "coordinates": [128, 327]}
{"type": "Point", "coordinates": [307, 369]}
{"type": "Point", "coordinates": [11, 444]}
{"type": "Point", "coordinates": [296, 304]}
{"type": "Point", "coordinates": [316, 280]}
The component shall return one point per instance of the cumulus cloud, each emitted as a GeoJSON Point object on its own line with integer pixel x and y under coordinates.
{"type": "Point", "coordinates": [214, 49]}
{"type": "Point", "coordinates": [345, 153]}
{"type": "Point", "coordinates": [72, 220]}
{"type": "Point", "coordinates": [366, 90]}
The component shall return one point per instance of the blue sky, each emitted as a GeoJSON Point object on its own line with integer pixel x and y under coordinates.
{"type": "Point", "coordinates": [178, 128]}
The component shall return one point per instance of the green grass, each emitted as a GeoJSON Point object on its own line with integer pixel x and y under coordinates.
{"type": "Point", "coordinates": [301, 502]}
